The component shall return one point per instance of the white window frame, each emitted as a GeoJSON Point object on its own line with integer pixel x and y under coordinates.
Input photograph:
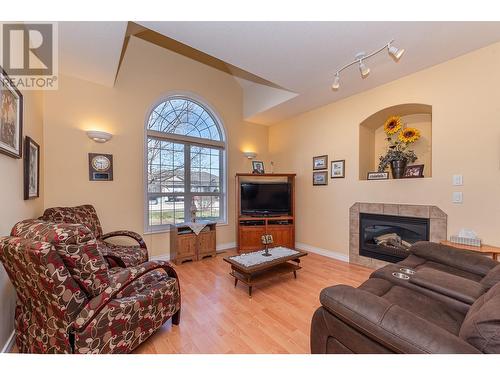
{"type": "Point", "coordinates": [188, 141]}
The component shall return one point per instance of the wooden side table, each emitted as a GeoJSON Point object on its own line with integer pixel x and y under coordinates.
{"type": "Point", "coordinates": [494, 251]}
{"type": "Point", "coordinates": [185, 245]}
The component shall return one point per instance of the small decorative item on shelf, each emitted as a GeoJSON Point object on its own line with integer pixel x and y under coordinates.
{"type": "Point", "coordinates": [320, 162]}
{"type": "Point", "coordinates": [398, 155]}
{"type": "Point", "coordinates": [377, 176]}
{"type": "Point", "coordinates": [414, 171]}
{"type": "Point", "coordinates": [258, 167]}
{"type": "Point", "coordinates": [267, 240]}
{"type": "Point", "coordinates": [193, 209]}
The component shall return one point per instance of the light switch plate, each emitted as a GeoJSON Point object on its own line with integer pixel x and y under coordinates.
{"type": "Point", "coordinates": [458, 197]}
{"type": "Point", "coordinates": [458, 180]}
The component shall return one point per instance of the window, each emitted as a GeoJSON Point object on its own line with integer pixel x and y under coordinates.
{"type": "Point", "coordinates": [185, 163]}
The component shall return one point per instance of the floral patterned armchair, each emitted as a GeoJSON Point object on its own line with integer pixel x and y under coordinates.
{"type": "Point", "coordinates": [70, 301]}
{"type": "Point", "coordinates": [116, 255]}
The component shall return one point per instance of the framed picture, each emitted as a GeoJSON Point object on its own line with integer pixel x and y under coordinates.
{"type": "Point", "coordinates": [377, 176]}
{"type": "Point", "coordinates": [258, 167]}
{"type": "Point", "coordinates": [11, 118]}
{"type": "Point", "coordinates": [320, 178]}
{"type": "Point", "coordinates": [414, 171]}
{"type": "Point", "coordinates": [337, 169]}
{"type": "Point", "coordinates": [320, 162]}
{"type": "Point", "coordinates": [31, 169]}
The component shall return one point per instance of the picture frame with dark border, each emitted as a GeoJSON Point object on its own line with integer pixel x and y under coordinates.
{"type": "Point", "coordinates": [373, 176]}
{"type": "Point", "coordinates": [320, 162]}
{"type": "Point", "coordinates": [320, 178]}
{"type": "Point", "coordinates": [258, 167]}
{"type": "Point", "coordinates": [31, 169]}
{"type": "Point", "coordinates": [414, 171]}
{"type": "Point", "coordinates": [11, 118]}
{"type": "Point", "coordinates": [337, 169]}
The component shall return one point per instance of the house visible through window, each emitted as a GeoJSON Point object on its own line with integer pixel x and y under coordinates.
{"type": "Point", "coordinates": [185, 163]}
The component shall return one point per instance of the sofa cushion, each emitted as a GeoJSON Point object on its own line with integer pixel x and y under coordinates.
{"type": "Point", "coordinates": [77, 247]}
{"type": "Point", "coordinates": [468, 261]}
{"type": "Point", "coordinates": [421, 305]}
{"type": "Point", "coordinates": [481, 327]}
{"type": "Point", "coordinates": [492, 278]}
{"type": "Point", "coordinates": [85, 215]}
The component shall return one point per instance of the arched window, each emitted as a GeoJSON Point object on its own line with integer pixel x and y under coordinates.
{"type": "Point", "coordinates": [185, 163]}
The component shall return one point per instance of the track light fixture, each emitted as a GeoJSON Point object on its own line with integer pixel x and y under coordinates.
{"type": "Point", "coordinates": [360, 59]}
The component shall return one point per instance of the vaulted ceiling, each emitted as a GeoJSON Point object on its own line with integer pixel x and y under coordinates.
{"type": "Point", "coordinates": [284, 68]}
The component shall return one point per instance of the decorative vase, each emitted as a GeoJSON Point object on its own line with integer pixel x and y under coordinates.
{"type": "Point", "coordinates": [398, 168]}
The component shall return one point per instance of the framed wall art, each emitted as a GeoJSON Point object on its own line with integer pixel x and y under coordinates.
{"type": "Point", "coordinates": [320, 162]}
{"type": "Point", "coordinates": [11, 118]}
{"type": "Point", "coordinates": [320, 178]}
{"type": "Point", "coordinates": [337, 169]}
{"type": "Point", "coordinates": [31, 169]}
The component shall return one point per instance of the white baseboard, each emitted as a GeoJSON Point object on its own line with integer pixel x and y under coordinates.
{"type": "Point", "coordinates": [324, 252]}
{"type": "Point", "coordinates": [225, 246]}
{"type": "Point", "coordinates": [10, 343]}
{"type": "Point", "coordinates": [165, 257]}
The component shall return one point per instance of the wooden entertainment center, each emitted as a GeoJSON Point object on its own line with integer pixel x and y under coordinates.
{"type": "Point", "coordinates": [251, 228]}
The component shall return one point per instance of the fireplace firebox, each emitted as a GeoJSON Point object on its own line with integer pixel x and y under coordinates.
{"type": "Point", "coordinates": [388, 237]}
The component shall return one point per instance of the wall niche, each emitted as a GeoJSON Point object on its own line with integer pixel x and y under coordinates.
{"type": "Point", "coordinates": [372, 142]}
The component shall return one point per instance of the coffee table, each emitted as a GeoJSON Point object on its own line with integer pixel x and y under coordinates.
{"type": "Point", "coordinates": [252, 268]}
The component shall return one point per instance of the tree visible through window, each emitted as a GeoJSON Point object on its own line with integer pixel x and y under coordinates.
{"type": "Point", "coordinates": [185, 163]}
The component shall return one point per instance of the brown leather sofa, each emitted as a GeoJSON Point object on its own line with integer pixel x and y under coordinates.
{"type": "Point", "coordinates": [450, 304]}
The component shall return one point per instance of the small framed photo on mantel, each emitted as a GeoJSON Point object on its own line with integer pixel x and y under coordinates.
{"type": "Point", "coordinates": [414, 171]}
{"type": "Point", "coordinates": [320, 162]}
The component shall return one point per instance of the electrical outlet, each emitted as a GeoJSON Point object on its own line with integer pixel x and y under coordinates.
{"type": "Point", "coordinates": [458, 180]}
{"type": "Point", "coordinates": [458, 197]}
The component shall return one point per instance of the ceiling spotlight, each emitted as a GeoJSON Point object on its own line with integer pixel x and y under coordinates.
{"type": "Point", "coordinates": [363, 69]}
{"type": "Point", "coordinates": [394, 51]}
{"type": "Point", "coordinates": [336, 82]}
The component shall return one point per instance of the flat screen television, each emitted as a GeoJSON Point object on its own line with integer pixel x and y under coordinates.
{"type": "Point", "coordinates": [265, 199]}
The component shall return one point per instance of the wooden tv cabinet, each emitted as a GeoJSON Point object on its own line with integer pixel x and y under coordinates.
{"type": "Point", "coordinates": [250, 229]}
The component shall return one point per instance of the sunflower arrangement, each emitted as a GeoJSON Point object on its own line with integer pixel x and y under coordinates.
{"type": "Point", "coordinates": [399, 139]}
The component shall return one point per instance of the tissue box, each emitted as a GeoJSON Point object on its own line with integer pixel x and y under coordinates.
{"type": "Point", "coordinates": [466, 241]}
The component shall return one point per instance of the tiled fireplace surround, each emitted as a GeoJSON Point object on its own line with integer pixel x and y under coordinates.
{"type": "Point", "coordinates": [438, 221]}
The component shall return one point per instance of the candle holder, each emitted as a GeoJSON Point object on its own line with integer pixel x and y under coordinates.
{"type": "Point", "coordinates": [267, 240]}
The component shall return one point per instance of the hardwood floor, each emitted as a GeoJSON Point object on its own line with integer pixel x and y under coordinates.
{"type": "Point", "coordinates": [219, 318]}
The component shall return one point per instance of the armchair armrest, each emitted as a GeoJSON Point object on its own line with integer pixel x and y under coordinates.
{"type": "Point", "coordinates": [395, 328]}
{"type": "Point", "coordinates": [125, 278]}
{"type": "Point", "coordinates": [126, 233]}
{"type": "Point", "coordinates": [447, 284]}
{"type": "Point", "coordinates": [465, 260]}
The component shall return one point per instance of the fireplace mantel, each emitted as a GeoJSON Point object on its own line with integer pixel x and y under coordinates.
{"type": "Point", "coordinates": [437, 218]}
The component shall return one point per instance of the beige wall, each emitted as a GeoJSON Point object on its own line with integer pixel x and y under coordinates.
{"type": "Point", "coordinates": [13, 206]}
{"type": "Point", "coordinates": [148, 72]}
{"type": "Point", "coordinates": [464, 94]}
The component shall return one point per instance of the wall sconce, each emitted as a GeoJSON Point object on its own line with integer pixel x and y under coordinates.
{"type": "Point", "coordinates": [250, 155]}
{"type": "Point", "coordinates": [98, 136]}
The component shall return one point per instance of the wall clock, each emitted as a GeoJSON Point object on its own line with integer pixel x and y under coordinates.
{"type": "Point", "coordinates": [100, 167]}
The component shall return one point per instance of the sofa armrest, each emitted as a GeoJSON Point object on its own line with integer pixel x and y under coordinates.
{"type": "Point", "coordinates": [125, 278]}
{"type": "Point", "coordinates": [393, 327]}
{"type": "Point", "coordinates": [126, 233]}
{"type": "Point", "coordinates": [447, 284]}
{"type": "Point", "coordinates": [465, 260]}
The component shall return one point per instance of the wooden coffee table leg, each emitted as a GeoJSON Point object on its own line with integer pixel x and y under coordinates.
{"type": "Point", "coordinates": [250, 291]}
{"type": "Point", "coordinates": [295, 274]}
{"type": "Point", "coordinates": [235, 281]}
